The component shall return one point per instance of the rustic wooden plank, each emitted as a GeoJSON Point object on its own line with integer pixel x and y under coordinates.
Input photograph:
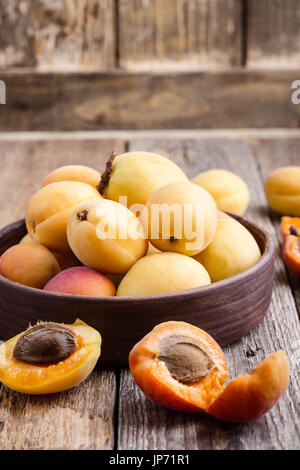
{"type": "Point", "coordinates": [273, 33]}
{"type": "Point", "coordinates": [60, 35]}
{"type": "Point", "coordinates": [179, 34]}
{"type": "Point", "coordinates": [82, 418]}
{"type": "Point", "coordinates": [143, 425]}
{"type": "Point", "coordinates": [122, 100]}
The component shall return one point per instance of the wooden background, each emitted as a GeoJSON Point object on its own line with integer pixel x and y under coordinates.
{"type": "Point", "coordinates": [142, 64]}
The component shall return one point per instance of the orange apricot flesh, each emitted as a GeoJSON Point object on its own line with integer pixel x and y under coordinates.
{"type": "Point", "coordinates": [152, 375]}
{"type": "Point", "coordinates": [249, 396]}
{"type": "Point", "coordinates": [43, 379]}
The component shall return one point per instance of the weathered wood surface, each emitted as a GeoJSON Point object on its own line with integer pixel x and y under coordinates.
{"type": "Point", "coordinates": [122, 100]}
{"type": "Point", "coordinates": [65, 34]}
{"type": "Point", "coordinates": [273, 33]}
{"type": "Point", "coordinates": [84, 417]}
{"type": "Point", "coordinates": [179, 33]}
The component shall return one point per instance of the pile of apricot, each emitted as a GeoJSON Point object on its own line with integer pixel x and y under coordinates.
{"type": "Point", "coordinates": [101, 235]}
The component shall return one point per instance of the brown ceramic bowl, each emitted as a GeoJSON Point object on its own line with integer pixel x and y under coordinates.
{"type": "Point", "coordinates": [226, 309]}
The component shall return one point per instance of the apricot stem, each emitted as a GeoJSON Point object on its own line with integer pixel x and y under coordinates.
{"type": "Point", "coordinates": [105, 177]}
{"type": "Point", "coordinates": [82, 215]}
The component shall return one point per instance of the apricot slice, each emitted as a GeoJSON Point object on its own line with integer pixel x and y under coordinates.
{"type": "Point", "coordinates": [179, 366]}
{"type": "Point", "coordinates": [49, 357]}
{"type": "Point", "coordinates": [81, 173]}
{"type": "Point", "coordinates": [249, 396]}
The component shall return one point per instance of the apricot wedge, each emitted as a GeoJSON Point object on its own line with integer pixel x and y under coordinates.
{"type": "Point", "coordinates": [34, 378]}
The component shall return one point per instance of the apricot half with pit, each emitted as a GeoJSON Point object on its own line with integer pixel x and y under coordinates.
{"type": "Point", "coordinates": [181, 217]}
{"type": "Point", "coordinates": [136, 175]}
{"type": "Point", "coordinates": [49, 357]}
{"type": "Point", "coordinates": [81, 173]}
{"type": "Point", "coordinates": [106, 236]}
{"type": "Point", "coordinates": [49, 210]}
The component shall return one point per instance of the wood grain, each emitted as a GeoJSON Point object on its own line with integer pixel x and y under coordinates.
{"type": "Point", "coordinates": [122, 100]}
{"type": "Point", "coordinates": [179, 34]}
{"type": "Point", "coordinates": [143, 425]}
{"type": "Point", "coordinates": [273, 33]}
{"type": "Point", "coordinates": [60, 35]}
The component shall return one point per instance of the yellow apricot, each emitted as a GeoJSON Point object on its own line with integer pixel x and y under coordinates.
{"type": "Point", "coordinates": [283, 190]}
{"type": "Point", "coordinates": [49, 210]}
{"type": "Point", "coordinates": [228, 189]}
{"type": "Point", "coordinates": [181, 217]}
{"type": "Point", "coordinates": [161, 273]}
{"type": "Point", "coordinates": [105, 235]}
{"type": "Point", "coordinates": [136, 175]}
{"type": "Point", "coordinates": [81, 173]}
{"type": "Point", "coordinates": [233, 250]}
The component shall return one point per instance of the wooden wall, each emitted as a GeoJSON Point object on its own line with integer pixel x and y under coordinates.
{"type": "Point", "coordinates": [115, 53]}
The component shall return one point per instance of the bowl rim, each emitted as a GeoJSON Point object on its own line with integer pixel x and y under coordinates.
{"type": "Point", "coordinates": [267, 255]}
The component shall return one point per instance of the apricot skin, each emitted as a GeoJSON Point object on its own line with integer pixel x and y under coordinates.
{"type": "Point", "coordinates": [162, 273]}
{"type": "Point", "coordinates": [228, 189]}
{"type": "Point", "coordinates": [81, 281]}
{"type": "Point", "coordinates": [81, 173]}
{"type": "Point", "coordinates": [192, 203]}
{"type": "Point", "coordinates": [29, 264]}
{"type": "Point", "coordinates": [233, 250]}
{"type": "Point", "coordinates": [250, 396]}
{"type": "Point", "coordinates": [39, 380]}
{"type": "Point", "coordinates": [283, 190]}
{"type": "Point", "coordinates": [49, 210]}
{"type": "Point", "coordinates": [137, 174]}
{"type": "Point", "coordinates": [114, 254]}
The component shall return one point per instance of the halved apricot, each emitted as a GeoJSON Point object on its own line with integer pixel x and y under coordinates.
{"type": "Point", "coordinates": [290, 226]}
{"type": "Point", "coordinates": [249, 396]}
{"type": "Point", "coordinates": [49, 357]}
{"type": "Point", "coordinates": [179, 366]}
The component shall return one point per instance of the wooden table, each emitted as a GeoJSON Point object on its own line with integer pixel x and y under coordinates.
{"type": "Point", "coordinates": [108, 411]}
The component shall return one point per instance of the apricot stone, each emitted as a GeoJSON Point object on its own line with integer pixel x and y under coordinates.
{"type": "Point", "coordinates": [228, 189]}
{"type": "Point", "coordinates": [105, 235]}
{"type": "Point", "coordinates": [49, 210]}
{"type": "Point", "coordinates": [181, 217]}
{"type": "Point", "coordinates": [81, 173]}
{"type": "Point", "coordinates": [283, 190]}
{"type": "Point", "coordinates": [161, 273]}
{"type": "Point", "coordinates": [80, 280]}
{"type": "Point", "coordinates": [29, 264]}
{"type": "Point", "coordinates": [136, 175]}
{"type": "Point", "coordinates": [233, 250]}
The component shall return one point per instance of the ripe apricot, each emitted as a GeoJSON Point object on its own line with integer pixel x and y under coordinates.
{"type": "Point", "coordinates": [49, 210]}
{"type": "Point", "coordinates": [81, 173]}
{"type": "Point", "coordinates": [232, 250]}
{"type": "Point", "coordinates": [230, 192]}
{"type": "Point", "coordinates": [161, 273]}
{"type": "Point", "coordinates": [30, 264]}
{"type": "Point", "coordinates": [136, 175]}
{"type": "Point", "coordinates": [107, 236]}
{"type": "Point", "coordinates": [290, 226]}
{"type": "Point", "coordinates": [49, 357]}
{"type": "Point", "coordinates": [81, 281]}
{"type": "Point", "coordinates": [179, 366]}
{"type": "Point", "coordinates": [180, 217]}
{"type": "Point", "coordinates": [283, 190]}
{"type": "Point", "coordinates": [250, 396]}
{"type": "Point", "coordinates": [291, 253]}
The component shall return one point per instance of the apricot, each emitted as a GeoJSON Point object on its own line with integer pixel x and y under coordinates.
{"type": "Point", "coordinates": [152, 250]}
{"type": "Point", "coordinates": [49, 210]}
{"type": "Point", "coordinates": [180, 217]}
{"type": "Point", "coordinates": [26, 239]}
{"type": "Point", "coordinates": [49, 357]}
{"type": "Point", "coordinates": [232, 250]}
{"type": "Point", "coordinates": [290, 226]}
{"type": "Point", "coordinates": [250, 396]}
{"type": "Point", "coordinates": [29, 264]}
{"type": "Point", "coordinates": [81, 173]}
{"type": "Point", "coordinates": [105, 235]}
{"type": "Point", "coordinates": [81, 281]}
{"type": "Point", "coordinates": [291, 253]}
{"type": "Point", "coordinates": [230, 192]}
{"type": "Point", "coordinates": [283, 190]}
{"type": "Point", "coordinates": [161, 273]}
{"type": "Point", "coordinates": [136, 175]}
{"type": "Point", "coordinates": [179, 366]}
